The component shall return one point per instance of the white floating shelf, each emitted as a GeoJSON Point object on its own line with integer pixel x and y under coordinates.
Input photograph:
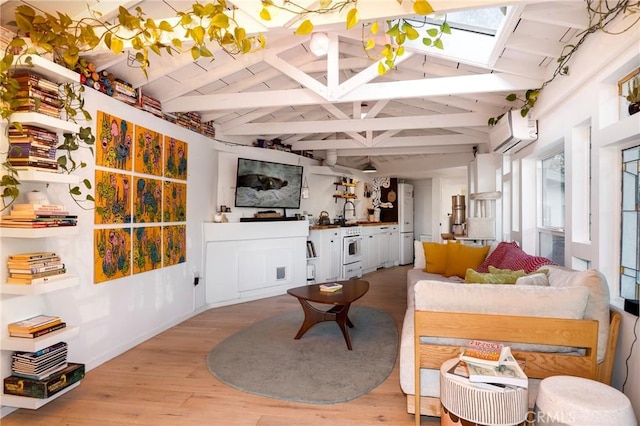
{"type": "Point", "coordinates": [48, 69]}
{"type": "Point", "coordinates": [41, 288]}
{"type": "Point", "coordinates": [30, 175]}
{"type": "Point", "coordinates": [32, 403]}
{"type": "Point", "coordinates": [25, 344]}
{"type": "Point", "coordinates": [54, 231]}
{"type": "Point", "coordinates": [46, 121]}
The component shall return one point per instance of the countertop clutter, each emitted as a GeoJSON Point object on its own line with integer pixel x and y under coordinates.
{"type": "Point", "coordinates": [352, 224]}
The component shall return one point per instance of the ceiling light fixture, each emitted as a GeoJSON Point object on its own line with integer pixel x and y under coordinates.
{"type": "Point", "coordinates": [319, 44]}
{"type": "Point", "coordinates": [369, 167]}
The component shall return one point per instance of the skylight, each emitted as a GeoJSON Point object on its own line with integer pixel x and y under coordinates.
{"type": "Point", "coordinates": [472, 35]}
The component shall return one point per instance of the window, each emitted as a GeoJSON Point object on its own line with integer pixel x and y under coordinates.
{"type": "Point", "coordinates": [551, 224]}
{"type": "Point", "coordinates": [630, 247]}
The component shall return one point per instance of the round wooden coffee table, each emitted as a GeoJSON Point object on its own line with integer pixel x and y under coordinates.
{"type": "Point", "coordinates": [340, 300]}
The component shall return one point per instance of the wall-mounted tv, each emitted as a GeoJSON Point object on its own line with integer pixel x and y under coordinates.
{"type": "Point", "coordinates": [264, 184]}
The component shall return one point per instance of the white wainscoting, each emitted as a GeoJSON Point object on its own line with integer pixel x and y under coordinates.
{"type": "Point", "coordinates": [252, 260]}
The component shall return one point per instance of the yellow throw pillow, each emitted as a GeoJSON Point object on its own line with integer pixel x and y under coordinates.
{"type": "Point", "coordinates": [462, 257]}
{"type": "Point", "coordinates": [436, 257]}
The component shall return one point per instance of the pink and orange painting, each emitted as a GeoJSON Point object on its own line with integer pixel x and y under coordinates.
{"type": "Point", "coordinates": [148, 152]}
{"type": "Point", "coordinates": [114, 147]}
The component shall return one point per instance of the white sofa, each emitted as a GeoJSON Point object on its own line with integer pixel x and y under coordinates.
{"type": "Point", "coordinates": [570, 294]}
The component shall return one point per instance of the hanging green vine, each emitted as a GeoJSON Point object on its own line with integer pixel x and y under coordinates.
{"type": "Point", "coordinates": [601, 14]}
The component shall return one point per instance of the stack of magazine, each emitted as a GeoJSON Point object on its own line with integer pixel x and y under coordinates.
{"type": "Point", "coordinates": [489, 365]}
{"type": "Point", "coordinates": [41, 364]}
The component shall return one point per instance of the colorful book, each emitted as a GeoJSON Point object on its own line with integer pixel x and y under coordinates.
{"type": "Point", "coordinates": [39, 332]}
{"type": "Point", "coordinates": [484, 353]}
{"type": "Point", "coordinates": [32, 256]}
{"type": "Point", "coordinates": [37, 270]}
{"type": "Point", "coordinates": [330, 288]}
{"type": "Point", "coordinates": [32, 276]}
{"type": "Point", "coordinates": [34, 323]}
{"type": "Point", "coordinates": [509, 372]}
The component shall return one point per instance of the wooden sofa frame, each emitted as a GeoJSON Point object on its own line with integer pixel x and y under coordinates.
{"type": "Point", "coordinates": [512, 329]}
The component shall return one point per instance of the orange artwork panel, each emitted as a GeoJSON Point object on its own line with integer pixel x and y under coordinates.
{"type": "Point", "coordinates": [114, 145]}
{"type": "Point", "coordinates": [112, 197]}
{"type": "Point", "coordinates": [111, 254]}
{"type": "Point", "coordinates": [175, 158]}
{"type": "Point", "coordinates": [148, 152]}
{"type": "Point", "coordinates": [175, 202]}
{"type": "Point", "coordinates": [174, 244]}
{"type": "Point", "coordinates": [147, 200]}
{"type": "Point", "coordinates": [147, 248]}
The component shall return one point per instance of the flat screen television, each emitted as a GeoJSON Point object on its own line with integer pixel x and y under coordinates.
{"type": "Point", "coordinates": [264, 184]}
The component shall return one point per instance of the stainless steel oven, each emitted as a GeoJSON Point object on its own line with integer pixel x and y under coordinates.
{"type": "Point", "coordinates": [351, 252]}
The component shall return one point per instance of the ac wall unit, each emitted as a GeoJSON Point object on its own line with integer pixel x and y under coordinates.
{"type": "Point", "coordinates": [513, 132]}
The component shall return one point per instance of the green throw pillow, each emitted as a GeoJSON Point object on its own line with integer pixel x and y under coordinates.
{"type": "Point", "coordinates": [473, 277]}
{"type": "Point", "coordinates": [519, 272]}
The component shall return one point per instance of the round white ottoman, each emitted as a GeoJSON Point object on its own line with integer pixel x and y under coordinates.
{"type": "Point", "coordinates": [568, 400]}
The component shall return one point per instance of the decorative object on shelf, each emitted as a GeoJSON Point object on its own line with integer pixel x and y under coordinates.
{"type": "Point", "coordinates": [629, 88]}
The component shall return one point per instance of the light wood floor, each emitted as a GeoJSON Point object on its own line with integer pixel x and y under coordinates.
{"type": "Point", "coordinates": [165, 380]}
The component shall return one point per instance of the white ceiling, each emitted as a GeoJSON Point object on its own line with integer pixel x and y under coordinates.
{"type": "Point", "coordinates": [425, 116]}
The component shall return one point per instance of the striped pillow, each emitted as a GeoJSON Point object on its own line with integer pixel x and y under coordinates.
{"type": "Point", "coordinates": [510, 256]}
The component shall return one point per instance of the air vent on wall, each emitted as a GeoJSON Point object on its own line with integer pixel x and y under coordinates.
{"type": "Point", "coordinates": [513, 132]}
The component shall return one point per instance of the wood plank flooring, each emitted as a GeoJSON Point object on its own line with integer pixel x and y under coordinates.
{"type": "Point", "coordinates": [165, 380]}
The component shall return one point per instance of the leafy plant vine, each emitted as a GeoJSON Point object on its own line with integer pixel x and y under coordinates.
{"type": "Point", "coordinates": [601, 14]}
{"type": "Point", "coordinates": [67, 40]}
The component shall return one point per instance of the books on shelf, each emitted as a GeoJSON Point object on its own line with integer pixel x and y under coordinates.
{"type": "Point", "coordinates": [39, 333]}
{"type": "Point", "coordinates": [41, 364]}
{"type": "Point", "coordinates": [509, 372]}
{"type": "Point", "coordinates": [484, 353]}
{"type": "Point", "coordinates": [34, 323]}
{"type": "Point", "coordinates": [15, 385]}
{"type": "Point", "coordinates": [311, 250]}
{"type": "Point", "coordinates": [35, 268]}
{"type": "Point", "coordinates": [330, 288]}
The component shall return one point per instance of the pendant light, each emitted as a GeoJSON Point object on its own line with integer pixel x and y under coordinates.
{"type": "Point", "coordinates": [305, 188]}
{"type": "Point", "coordinates": [369, 167]}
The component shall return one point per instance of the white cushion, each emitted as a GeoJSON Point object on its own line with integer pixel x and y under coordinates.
{"type": "Point", "coordinates": [534, 279]}
{"type": "Point", "coordinates": [523, 300]}
{"type": "Point", "coordinates": [419, 261]}
{"type": "Point", "coordinates": [598, 303]}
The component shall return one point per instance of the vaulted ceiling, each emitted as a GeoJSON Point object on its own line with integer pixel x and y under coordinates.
{"type": "Point", "coordinates": [424, 116]}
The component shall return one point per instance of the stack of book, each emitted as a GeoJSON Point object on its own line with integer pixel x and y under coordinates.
{"type": "Point", "coordinates": [37, 217]}
{"type": "Point", "coordinates": [37, 94]}
{"type": "Point", "coordinates": [45, 388]}
{"type": "Point", "coordinates": [124, 91]}
{"type": "Point", "coordinates": [149, 104]}
{"type": "Point", "coordinates": [35, 268]}
{"type": "Point", "coordinates": [42, 364]}
{"type": "Point", "coordinates": [208, 129]}
{"type": "Point", "coordinates": [36, 326]}
{"type": "Point", "coordinates": [490, 365]}
{"type": "Point", "coordinates": [330, 287]}
{"type": "Point", "coordinates": [33, 148]}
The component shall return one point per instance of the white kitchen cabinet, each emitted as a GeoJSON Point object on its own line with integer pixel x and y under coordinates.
{"type": "Point", "coordinates": [370, 248]}
{"type": "Point", "coordinates": [328, 245]}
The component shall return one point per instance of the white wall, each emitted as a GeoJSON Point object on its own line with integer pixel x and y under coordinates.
{"type": "Point", "coordinates": [587, 97]}
{"type": "Point", "coordinates": [116, 315]}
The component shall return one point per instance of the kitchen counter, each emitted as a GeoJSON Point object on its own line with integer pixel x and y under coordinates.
{"type": "Point", "coordinates": [316, 227]}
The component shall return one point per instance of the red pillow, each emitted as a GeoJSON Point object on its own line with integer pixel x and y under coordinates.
{"type": "Point", "coordinates": [496, 256]}
{"type": "Point", "coordinates": [510, 256]}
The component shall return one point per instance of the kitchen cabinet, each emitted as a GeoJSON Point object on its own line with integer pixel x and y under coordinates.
{"type": "Point", "coordinates": [380, 247]}
{"type": "Point", "coordinates": [370, 248]}
{"type": "Point", "coordinates": [328, 251]}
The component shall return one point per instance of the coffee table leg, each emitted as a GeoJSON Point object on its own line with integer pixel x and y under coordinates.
{"type": "Point", "coordinates": [312, 316]}
{"type": "Point", "coordinates": [343, 321]}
